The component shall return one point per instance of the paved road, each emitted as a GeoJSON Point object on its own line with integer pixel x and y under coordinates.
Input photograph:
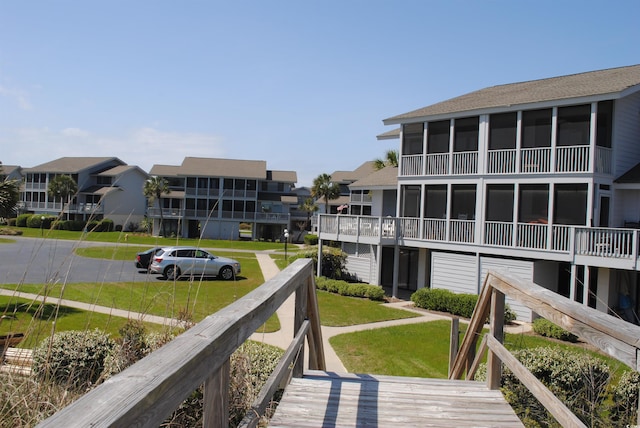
{"type": "Point", "coordinates": [31, 261]}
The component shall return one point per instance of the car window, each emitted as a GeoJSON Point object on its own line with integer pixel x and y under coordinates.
{"type": "Point", "coordinates": [202, 254]}
{"type": "Point", "coordinates": [184, 253]}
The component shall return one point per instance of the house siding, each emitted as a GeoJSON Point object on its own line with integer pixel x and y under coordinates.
{"type": "Point", "coordinates": [455, 272]}
{"type": "Point", "coordinates": [362, 262]}
{"type": "Point", "coordinates": [521, 268]}
{"type": "Point", "coordinates": [626, 132]}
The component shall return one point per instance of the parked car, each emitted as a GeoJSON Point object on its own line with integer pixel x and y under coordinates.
{"type": "Point", "coordinates": [143, 258]}
{"type": "Point", "coordinates": [173, 262]}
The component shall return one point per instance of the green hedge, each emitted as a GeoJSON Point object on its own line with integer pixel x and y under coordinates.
{"type": "Point", "coordinates": [310, 239]}
{"type": "Point", "coordinates": [441, 300]}
{"type": "Point", "coordinates": [372, 292]}
{"type": "Point", "coordinates": [546, 328]}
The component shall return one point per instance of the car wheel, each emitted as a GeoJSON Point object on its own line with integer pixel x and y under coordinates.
{"type": "Point", "coordinates": [226, 273]}
{"type": "Point", "coordinates": [172, 272]}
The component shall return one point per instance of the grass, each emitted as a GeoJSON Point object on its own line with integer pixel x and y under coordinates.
{"type": "Point", "coordinates": [422, 350]}
{"type": "Point", "coordinates": [339, 311]}
{"type": "Point", "coordinates": [185, 299]}
{"type": "Point", "coordinates": [147, 240]}
{"type": "Point", "coordinates": [38, 320]}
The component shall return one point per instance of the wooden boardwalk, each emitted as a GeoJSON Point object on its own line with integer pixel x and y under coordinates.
{"type": "Point", "coordinates": [323, 399]}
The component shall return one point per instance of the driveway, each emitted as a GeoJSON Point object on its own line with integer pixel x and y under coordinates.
{"type": "Point", "coordinates": [31, 261]}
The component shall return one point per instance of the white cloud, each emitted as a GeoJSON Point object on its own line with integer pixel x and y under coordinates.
{"type": "Point", "coordinates": [20, 97]}
{"type": "Point", "coordinates": [143, 147]}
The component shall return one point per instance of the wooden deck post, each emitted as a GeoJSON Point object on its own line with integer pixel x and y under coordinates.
{"type": "Point", "coordinates": [299, 317]}
{"type": "Point", "coordinates": [215, 413]}
{"type": "Point", "coordinates": [496, 325]}
{"type": "Point", "coordinates": [454, 342]}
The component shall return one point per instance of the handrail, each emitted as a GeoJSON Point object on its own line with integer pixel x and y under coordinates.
{"type": "Point", "coordinates": [613, 336]}
{"type": "Point", "coordinates": [146, 392]}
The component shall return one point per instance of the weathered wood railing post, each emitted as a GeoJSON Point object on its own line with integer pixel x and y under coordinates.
{"type": "Point", "coordinates": [454, 342]}
{"type": "Point", "coordinates": [299, 317]}
{"type": "Point", "coordinates": [496, 325]}
{"type": "Point", "coordinates": [215, 412]}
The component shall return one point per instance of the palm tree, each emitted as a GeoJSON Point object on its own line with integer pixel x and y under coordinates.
{"type": "Point", "coordinates": [153, 189]}
{"type": "Point", "coordinates": [323, 187]}
{"type": "Point", "coordinates": [9, 196]}
{"type": "Point", "coordinates": [309, 206]}
{"type": "Point", "coordinates": [62, 187]}
{"type": "Point", "coordinates": [391, 159]}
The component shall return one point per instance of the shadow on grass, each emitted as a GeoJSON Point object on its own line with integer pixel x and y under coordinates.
{"type": "Point", "coordinates": [37, 310]}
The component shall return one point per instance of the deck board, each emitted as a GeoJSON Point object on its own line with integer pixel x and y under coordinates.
{"type": "Point", "coordinates": [323, 399]}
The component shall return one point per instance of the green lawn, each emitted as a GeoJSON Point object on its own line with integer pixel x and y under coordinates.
{"type": "Point", "coordinates": [338, 311]}
{"type": "Point", "coordinates": [36, 320]}
{"type": "Point", "coordinates": [422, 350]}
{"type": "Point", "coordinates": [148, 241]}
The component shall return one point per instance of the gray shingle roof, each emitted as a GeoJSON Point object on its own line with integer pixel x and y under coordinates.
{"type": "Point", "coordinates": [69, 165]}
{"type": "Point", "coordinates": [386, 177]}
{"type": "Point", "coordinates": [612, 81]}
{"type": "Point", "coordinates": [351, 176]}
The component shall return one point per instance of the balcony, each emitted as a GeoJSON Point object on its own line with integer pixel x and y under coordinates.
{"type": "Point", "coordinates": [608, 247]}
{"type": "Point", "coordinates": [565, 159]}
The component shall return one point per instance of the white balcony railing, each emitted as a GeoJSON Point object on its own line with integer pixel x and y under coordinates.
{"type": "Point", "coordinates": [465, 163]}
{"type": "Point", "coordinates": [535, 160]}
{"type": "Point", "coordinates": [572, 159]}
{"type": "Point", "coordinates": [437, 164]}
{"type": "Point", "coordinates": [462, 230]}
{"type": "Point", "coordinates": [434, 229]}
{"type": "Point", "coordinates": [411, 165]}
{"type": "Point", "coordinates": [614, 243]}
{"type": "Point", "coordinates": [498, 233]}
{"type": "Point", "coordinates": [501, 161]}
{"type": "Point", "coordinates": [532, 235]}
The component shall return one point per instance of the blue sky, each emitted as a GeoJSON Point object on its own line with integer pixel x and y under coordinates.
{"type": "Point", "coordinates": [304, 85]}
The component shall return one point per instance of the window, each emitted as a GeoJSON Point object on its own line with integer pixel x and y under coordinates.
{"type": "Point", "coordinates": [466, 134]}
{"type": "Point", "coordinates": [604, 124]}
{"type": "Point", "coordinates": [534, 203]}
{"type": "Point", "coordinates": [203, 183]}
{"type": "Point", "coordinates": [502, 131]}
{"type": "Point", "coordinates": [410, 201]}
{"type": "Point", "coordinates": [570, 204]}
{"type": "Point", "coordinates": [463, 201]}
{"type": "Point", "coordinates": [435, 201]}
{"type": "Point", "coordinates": [191, 182]}
{"type": "Point", "coordinates": [412, 135]}
{"type": "Point", "coordinates": [500, 202]}
{"type": "Point", "coordinates": [438, 137]}
{"type": "Point", "coordinates": [104, 181]}
{"type": "Point", "coordinates": [536, 128]}
{"type": "Point", "coordinates": [573, 125]}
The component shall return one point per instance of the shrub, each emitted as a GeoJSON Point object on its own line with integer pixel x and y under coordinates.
{"type": "Point", "coordinates": [251, 366]}
{"type": "Point", "coordinates": [624, 410]}
{"type": "Point", "coordinates": [9, 231]}
{"type": "Point", "coordinates": [442, 300]}
{"type": "Point", "coordinates": [546, 328]}
{"type": "Point", "coordinates": [73, 359]}
{"type": "Point", "coordinates": [310, 239]}
{"type": "Point", "coordinates": [92, 226]}
{"type": "Point", "coordinates": [11, 222]}
{"type": "Point", "coordinates": [580, 381]}
{"type": "Point", "coordinates": [373, 292]}
{"type": "Point", "coordinates": [105, 225]}
{"type": "Point", "coordinates": [333, 262]}
{"type": "Point", "coordinates": [21, 220]}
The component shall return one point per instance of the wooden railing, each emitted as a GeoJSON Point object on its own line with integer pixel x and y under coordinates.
{"type": "Point", "coordinates": [613, 336]}
{"type": "Point", "coordinates": [144, 394]}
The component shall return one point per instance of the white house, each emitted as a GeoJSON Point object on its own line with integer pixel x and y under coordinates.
{"type": "Point", "coordinates": [540, 178]}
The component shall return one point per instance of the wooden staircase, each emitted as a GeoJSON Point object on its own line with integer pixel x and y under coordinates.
{"type": "Point", "coordinates": [17, 361]}
{"type": "Point", "coordinates": [323, 399]}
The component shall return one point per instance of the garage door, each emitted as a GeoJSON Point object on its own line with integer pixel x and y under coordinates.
{"type": "Point", "coordinates": [455, 272]}
{"type": "Point", "coordinates": [520, 268]}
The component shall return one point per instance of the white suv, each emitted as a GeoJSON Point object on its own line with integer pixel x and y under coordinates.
{"type": "Point", "coordinates": [173, 262]}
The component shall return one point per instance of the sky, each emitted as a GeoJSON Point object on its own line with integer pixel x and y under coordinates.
{"type": "Point", "coordinates": [303, 85]}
